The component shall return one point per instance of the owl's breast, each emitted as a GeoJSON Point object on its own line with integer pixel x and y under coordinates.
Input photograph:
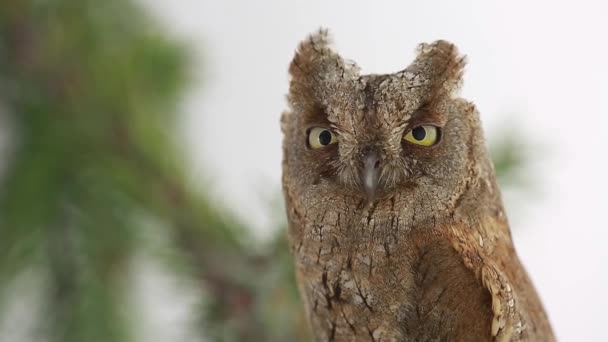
{"type": "Point", "coordinates": [369, 279]}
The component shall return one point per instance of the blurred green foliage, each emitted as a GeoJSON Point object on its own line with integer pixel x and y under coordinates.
{"type": "Point", "coordinates": [91, 88]}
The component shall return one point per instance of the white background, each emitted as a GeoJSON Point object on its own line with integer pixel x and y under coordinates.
{"type": "Point", "coordinates": [539, 66]}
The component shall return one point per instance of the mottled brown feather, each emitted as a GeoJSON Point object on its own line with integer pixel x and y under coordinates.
{"type": "Point", "coordinates": [430, 257]}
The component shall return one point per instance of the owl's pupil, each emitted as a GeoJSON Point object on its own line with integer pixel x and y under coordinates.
{"type": "Point", "coordinates": [419, 133]}
{"type": "Point", "coordinates": [325, 138]}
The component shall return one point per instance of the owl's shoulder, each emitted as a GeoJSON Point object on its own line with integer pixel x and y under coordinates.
{"type": "Point", "coordinates": [486, 250]}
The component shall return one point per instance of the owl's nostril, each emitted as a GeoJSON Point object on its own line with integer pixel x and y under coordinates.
{"type": "Point", "coordinates": [377, 164]}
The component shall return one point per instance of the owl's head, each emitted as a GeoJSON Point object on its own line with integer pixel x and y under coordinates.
{"type": "Point", "coordinates": [373, 137]}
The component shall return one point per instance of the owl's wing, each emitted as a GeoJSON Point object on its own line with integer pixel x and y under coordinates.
{"type": "Point", "coordinates": [517, 311]}
{"type": "Point", "coordinates": [505, 322]}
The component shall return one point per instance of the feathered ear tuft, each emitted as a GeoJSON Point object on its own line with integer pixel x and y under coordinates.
{"type": "Point", "coordinates": [309, 53]}
{"type": "Point", "coordinates": [315, 72]}
{"type": "Point", "coordinates": [440, 66]}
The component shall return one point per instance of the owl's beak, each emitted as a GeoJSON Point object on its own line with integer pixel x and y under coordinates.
{"type": "Point", "coordinates": [371, 174]}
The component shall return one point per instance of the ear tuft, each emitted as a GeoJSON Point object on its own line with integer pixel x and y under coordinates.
{"type": "Point", "coordinates": [318, 73]}
{"type": "Point", "coordinates": [441, 65]}
{"type": "Point", "coordinates": [315, 47]}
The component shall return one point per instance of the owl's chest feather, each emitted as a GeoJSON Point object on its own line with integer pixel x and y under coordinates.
{"type": "Point", "coordinates": [363, 282]}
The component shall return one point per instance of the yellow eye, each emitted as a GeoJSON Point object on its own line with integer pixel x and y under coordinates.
{"type": "Point", "coordinates": [319, 137]}
{"type": "Point", "coordinates": [426, 135]}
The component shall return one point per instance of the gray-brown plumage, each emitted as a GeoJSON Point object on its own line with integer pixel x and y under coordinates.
{"type": "Point", "coordinates": [395, 219]}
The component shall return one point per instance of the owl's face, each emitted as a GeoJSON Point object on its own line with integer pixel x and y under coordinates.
{"type": "Point", "coordinates": [377, 137]}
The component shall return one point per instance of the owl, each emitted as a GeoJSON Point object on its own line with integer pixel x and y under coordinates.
{"type": "Point", "coordinates": [396, 223]}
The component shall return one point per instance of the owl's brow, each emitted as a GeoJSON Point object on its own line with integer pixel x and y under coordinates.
{"type": "Point", "coordinates": [426, 114]}
{"type": "Point", "coordinates": [341, 129]}
{"type": "Point", "coordinates": [402, 123]}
